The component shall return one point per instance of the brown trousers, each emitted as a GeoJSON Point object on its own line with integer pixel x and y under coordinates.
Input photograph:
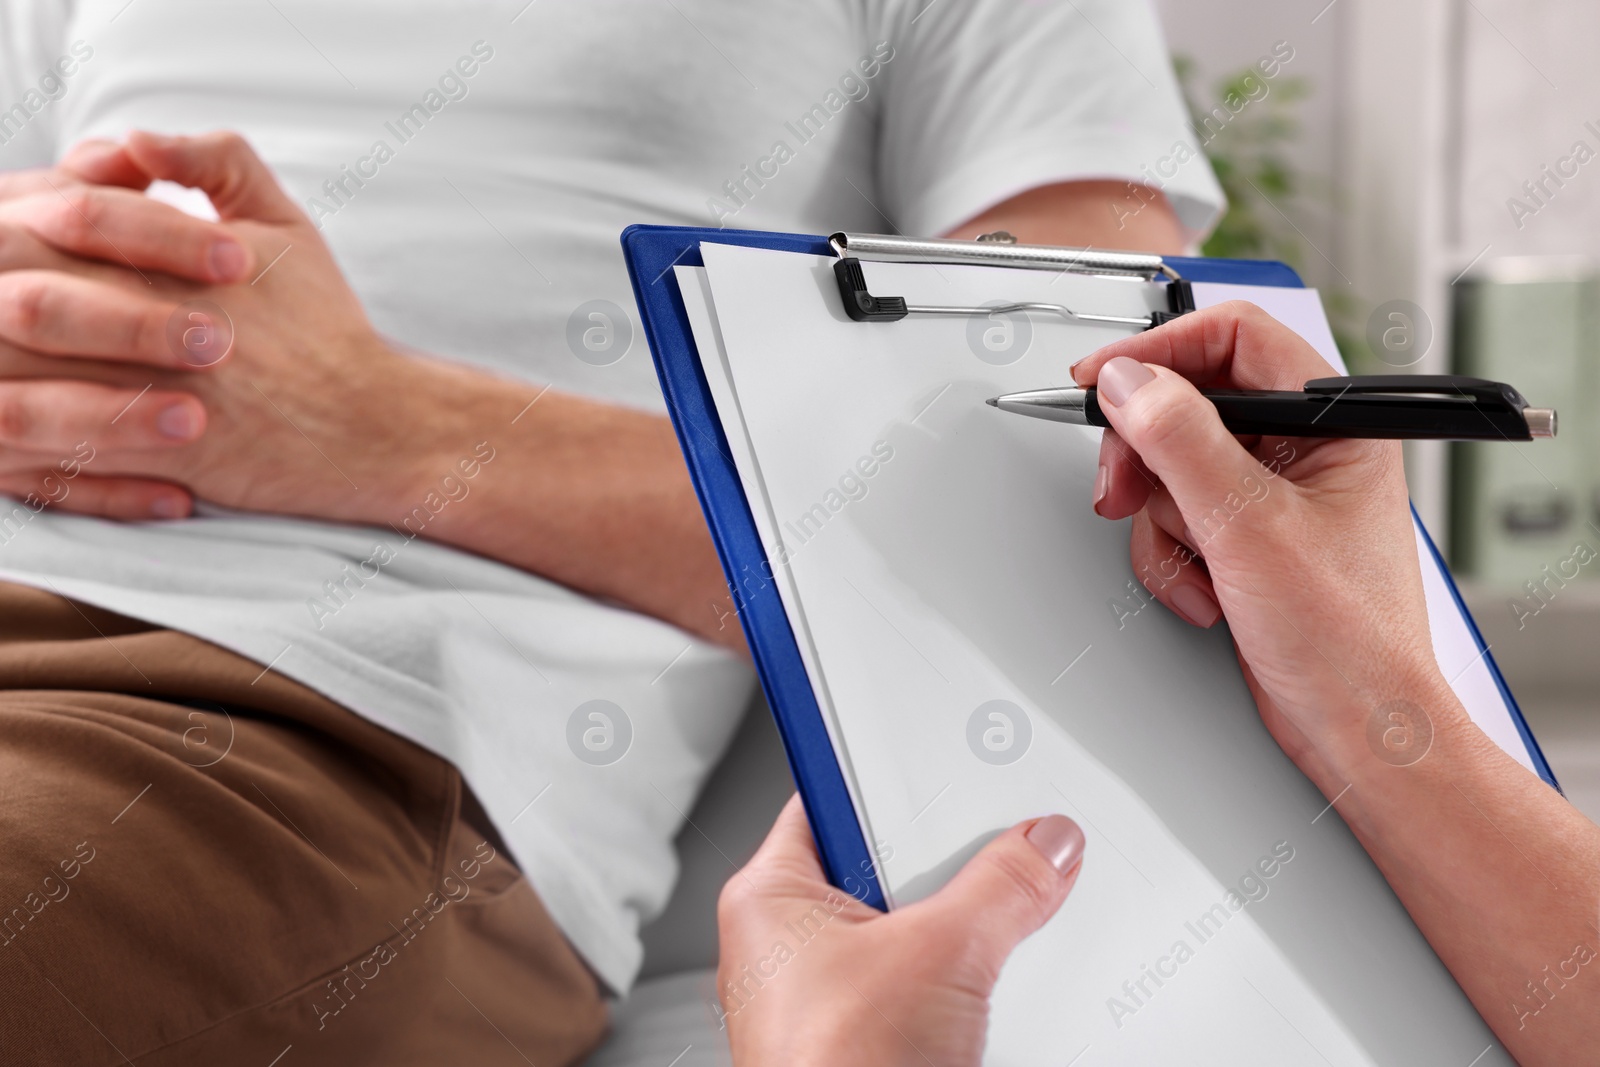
{"type": "Point", "coordinates": [205, 863]}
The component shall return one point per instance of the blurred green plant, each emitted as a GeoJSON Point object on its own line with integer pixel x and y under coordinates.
{"type": "Point", "coordinates": [1246, 129]}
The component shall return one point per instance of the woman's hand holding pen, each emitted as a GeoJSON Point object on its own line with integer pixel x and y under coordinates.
{"type": "Point", "coordinates": [1306, 546]}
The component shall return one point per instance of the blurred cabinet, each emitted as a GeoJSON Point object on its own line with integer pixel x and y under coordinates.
{"type": "Point", "coordinates": [1528, 513]}
{"type": "Point", "coordinates": [1470, 135]}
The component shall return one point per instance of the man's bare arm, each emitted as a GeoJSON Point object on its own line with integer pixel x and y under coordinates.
{"type": "Point", "coordinates": [1114, 216]}
{"type": "Point", "coordinates": [313, 414]}
{"type": "Point", "coordinates": [597, 497]}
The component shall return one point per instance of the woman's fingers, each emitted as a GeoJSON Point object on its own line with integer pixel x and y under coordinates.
{"type": "Point", "coordinates": [1172, 573]}
{"type": "Point", "coordinates": [66, 315]}
{"type": "Point", "coordinates": [85, 494]}
{"type": "Point", "coordinates": [786, 864]}
{"type": "Point", "coordinates": [789, 844]}
{"type": "Point", "coordinates": [1178, 435]}
{"type": "Point", "coordinates": [127, 228]}
{"type": "Point", "coordinates": [1123, 482]}
{"type": "Point", "coordinates": [1233, 344]}
{"type": "Point", "coordinates": [1162, 510]}
{"type": "Point", "coordinates": [49, 420]}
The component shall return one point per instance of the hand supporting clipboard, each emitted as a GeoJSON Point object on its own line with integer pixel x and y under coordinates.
{"type": "Point", "coordinates": [842, 824]}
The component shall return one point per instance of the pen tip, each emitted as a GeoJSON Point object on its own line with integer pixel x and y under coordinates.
{"type": "Point", "coordinates": [993, 401]}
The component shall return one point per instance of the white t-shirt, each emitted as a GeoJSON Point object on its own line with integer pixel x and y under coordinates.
{"type": "Point", "coordinates": [472, 166]}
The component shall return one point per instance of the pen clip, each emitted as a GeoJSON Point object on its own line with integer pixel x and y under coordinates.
{"type": "Point", "coordinates": [1476, 390]}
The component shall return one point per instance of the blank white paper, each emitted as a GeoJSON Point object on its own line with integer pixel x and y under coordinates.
{"type": "Point", "coordinates": [967, 568]}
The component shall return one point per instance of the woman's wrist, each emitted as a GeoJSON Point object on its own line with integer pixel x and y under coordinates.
{"type": "Point", "coordinates": [1410, 716]}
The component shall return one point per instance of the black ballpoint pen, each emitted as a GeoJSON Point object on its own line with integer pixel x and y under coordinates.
{"type": "Point", "coordinates": [1440, 407]}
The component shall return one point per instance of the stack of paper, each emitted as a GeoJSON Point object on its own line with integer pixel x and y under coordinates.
{"type": "Point", "coordinates": [982, 655]}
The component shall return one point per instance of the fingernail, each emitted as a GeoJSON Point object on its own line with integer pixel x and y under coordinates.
{"type": "Point", "coordinates": [1073, 371]}
{"type": "Point", "coordinates": [228, 260]}
{"type": "Point", "coordinates": [167, 507]}
{"type": "Point", "coordinates": [1194, 604]}
{"type": "Point", "coordinates": [1102, 486]}
{"type": "Point", "coordinates": [179, 422]}
{"type": "Point", "coordinates": [1058, 840]}
{"type": "Point", "coordinates": [1121, 377]}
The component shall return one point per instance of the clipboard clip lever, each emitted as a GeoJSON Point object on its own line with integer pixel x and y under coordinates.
{"type": "Point", "coordinates": [995, 249]}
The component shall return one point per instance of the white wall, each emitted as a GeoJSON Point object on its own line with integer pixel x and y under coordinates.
{"type": "Point", "coordinates": [1427, 116]}
{"type": "Point", "coordinates": [1225, 36]}
{"type": "Point", "coordinates": [1520, 80]}
{"type": "Point", "coordinates": [1531, 84]}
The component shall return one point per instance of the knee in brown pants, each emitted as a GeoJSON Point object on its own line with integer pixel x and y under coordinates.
{"type": "Point", "coordinates": [240, 870]}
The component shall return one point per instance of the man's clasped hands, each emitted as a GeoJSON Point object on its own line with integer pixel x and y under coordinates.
{"type": "Point", "coordinates": [149, 357]}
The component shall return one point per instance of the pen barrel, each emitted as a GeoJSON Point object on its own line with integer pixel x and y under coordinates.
{"type": "Point", "coordinates": [1295, 414]}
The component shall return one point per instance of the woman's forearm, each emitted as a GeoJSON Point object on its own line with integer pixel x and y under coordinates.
{"type": "Point", "coordinates": [1500, 873]}
{"type": "Point", "coordinates": [1322, 589]}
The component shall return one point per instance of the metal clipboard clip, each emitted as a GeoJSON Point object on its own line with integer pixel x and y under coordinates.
{"type": "Point", "coordinates": [998, 249]}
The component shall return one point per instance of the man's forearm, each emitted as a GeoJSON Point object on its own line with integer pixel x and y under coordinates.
{"type": "Point", "coordinates": [597, 497]}
{"type": "Point", "coordinates": [592, 495]}
{"type": "Point", "coordinates": [1108, 215]}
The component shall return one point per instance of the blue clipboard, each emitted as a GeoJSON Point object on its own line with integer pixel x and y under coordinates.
{"type": "Point", "coordinates": [651, 253]}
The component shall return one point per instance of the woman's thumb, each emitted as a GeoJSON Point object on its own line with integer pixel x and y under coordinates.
{"type": "Point", "coordinates": [1176, 431]}
{"type": "Point", "coordinates": [1007, 891]}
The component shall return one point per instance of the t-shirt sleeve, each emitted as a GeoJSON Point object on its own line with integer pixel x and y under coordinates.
{"type": "Point", "coordinates": [32, 36]}
{"type": "Point", "coordinates": [986, 99]}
